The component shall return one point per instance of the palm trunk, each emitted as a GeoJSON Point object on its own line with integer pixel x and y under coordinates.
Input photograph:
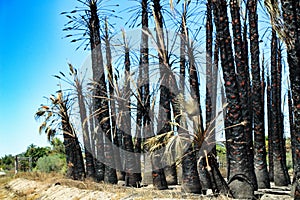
{"type": "Point", "coordinates": [114, 133]}
{"type": "Point", "coordinates": [280, 116]}
{"type": "Point", "coordinates": [143, 105]}
{"type": "Point", "coordinates": [270, 130]}
{"type": "Point", "coordinates": [291, 123]}
{"type": "Point", "coordinates": [89, 156]}
{"type": "Point", "coordinates": [243, 75]}
{"type": "Point", "coordinates": [75, 166]}
{"type": "Point", "coordinates": [101, 106]}
{"type": "Point", "coordinates": [164, 114]}
{"type": "Point", "coordinates": [279, 174]}
{"type": "Point", "coordinates": [190, 177]}
{"type": "Point", "coordinates": [291, 15]}
{"type": "Point", "coordinates": [257, 102]}
{"type": "Point", "coordinates": [236, 139]}
{"type": "Point", "coordinates": [132, 177]}
{"type": "Point", "coordinates": [205, 178]}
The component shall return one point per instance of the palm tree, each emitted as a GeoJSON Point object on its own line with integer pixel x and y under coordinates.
{"type": "Point", "coordinates": [132, 177]}
{"type": "Point", "coordinates": [290, 10]}
{"type": "Point", "coordinates": [143, 107]}
{"type": "Point", "coordinates": [243, 75]}
{"type": "Point", "coordinates": [158, 174]}
{"type": "Point", "coordinates": [257, 101]}
{"type": "Point", "coordinates": [289, 34]}
{"type": "Point", "coordinates": [270, 130]}
{"type": "Point", "coordinates": [77, 84]}
{"type": "Point", "coordinates": [279, 174]}
{"type": "Point", "coordinates": [240, 172]}
{"type": "Point", "coordinates": [57, 119]}
{"type": "Point", "coordinates": [90, 24]}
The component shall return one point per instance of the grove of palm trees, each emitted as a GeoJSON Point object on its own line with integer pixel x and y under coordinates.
{"type": "Point", "coordinates": [166, 81]}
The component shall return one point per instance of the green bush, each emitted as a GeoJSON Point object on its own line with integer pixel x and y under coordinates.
{"type": "Point", "coordinates": [52, 163]}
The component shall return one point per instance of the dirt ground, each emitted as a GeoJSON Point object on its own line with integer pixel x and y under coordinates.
{"type": "Point", "coordinates": [50, 188]}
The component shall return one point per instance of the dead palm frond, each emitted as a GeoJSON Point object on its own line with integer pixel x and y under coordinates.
{"type": "Point", "coordinates": [173, 145]}
{"type": "Point", "coordinates": [277, 22]}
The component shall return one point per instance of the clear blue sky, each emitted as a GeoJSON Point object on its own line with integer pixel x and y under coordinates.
{"type": "Point", "coordinates": [31, 51]}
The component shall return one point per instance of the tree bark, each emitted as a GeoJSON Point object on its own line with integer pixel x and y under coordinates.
{"type": "Point", "coordinates": [279, 174]}
{"type": "Point", "coordinates": [101, 105]}
{"type": "Point", "coordinates": [257, 101]}
{"type": "Point", "coordinates": [291, 16]}
{"type": "Point", "coordinates": [240, 172]}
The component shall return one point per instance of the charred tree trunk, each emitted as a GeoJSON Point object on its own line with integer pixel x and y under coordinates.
{"type": "Point", "coordinates": [158, 174]}
{"type": "Point", "coordinates": [143, 105]}
{"type": "Point", "coordinates": [240, 169]}
{"type": "Point", "coordinates": [101, 105]}
{"type": "Point", "coordinates": [279, 175]}
{"type": "Point", "coordinates": [257, 101]}
{"type": "Point", "coordinates": [270, 130]}
{"type": "Point", "coordinates": [75, 165]}
{"type": "Point", "coordinates": [280, 116]}
{"type": "Point", "coordinates": [204, 175]}
{"type": "Point", "coordinates": [243, 87]}
{"type": "Point", "coordinates": [291, 16]}
{"type": "Point", "coordinates": [115, 133]}
{"type": "Point", "coordinates": [89, 156]}
{"type": "Point", "coordinates": [190, 177]}
{"type": "Point", "coordinates": [132, 177]}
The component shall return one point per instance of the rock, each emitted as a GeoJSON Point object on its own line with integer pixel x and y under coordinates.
{"type": "Point", "coordinates": [275, 197]}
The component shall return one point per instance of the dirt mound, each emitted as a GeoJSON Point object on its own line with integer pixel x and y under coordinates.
{"type": "Point", "coordinates": [54, 188]}
{"type": "Point", "coordinates": [38, 190]}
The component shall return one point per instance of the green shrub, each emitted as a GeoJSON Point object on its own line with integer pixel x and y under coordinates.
{"type": "Point", "coordinates": [52, 163]}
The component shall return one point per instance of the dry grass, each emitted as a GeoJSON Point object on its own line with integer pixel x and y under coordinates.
{"type": "Point", "coordinates": [48, 180]}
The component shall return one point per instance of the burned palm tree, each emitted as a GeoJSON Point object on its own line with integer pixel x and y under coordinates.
{"type": "Point", "coordinates": [270, 130]}
{"type": "Point", "coordinates": [257, 101]}
{"type": "Point", "coordinates": [240, 172]}
{"type": "Point", "coordinates": [243, 76]}
{"type": "Point", "coordinates": [287, 29]}
{"type": "Point", "coordinates": [164, 126]}
{"type": "Point", "coordinates": [132, 169]}
{"type": "Point", "coordinates": [277, 135]}
{"type": "Point", "coordinates": [57, 120]}
{"type": "Point", "coordinates": [89, 23]}
{"type": "Point", "coordinates": [78, 86]}
{"type": "Point", "coordinates": [291, 18]}
{"type": "Point", "coordinates": [143, 105]}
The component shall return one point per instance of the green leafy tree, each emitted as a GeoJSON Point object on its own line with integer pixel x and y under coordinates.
{"type": "Point", "coordinates": [57, 146]}
{"type": "Point", "coordinates": [35, 152]}
{"type": "Point", "coordinates": [7, 162]}
{"type": "Point", "coordinates": [52, 163]}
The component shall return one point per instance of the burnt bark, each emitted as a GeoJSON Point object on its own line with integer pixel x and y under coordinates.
{"type": "Point", "coordinates": [240, 170]}
{"type": "Point", "coordinates": [89, 154]}
{"type": "Point", "coordinates": [242, 77]}
{"type": "Point", "coordinates": [257, 101]}
{"type": "Point", "coordinates": [190, 177]}
{"type": "Point", "coordinates": [280, 178]}
{"type": "Point", "coordinates": [74, 158]}
{"type": "Point", "coordinates": [101, 105]}
{"type": "Point", "coordinates": [291, 16]}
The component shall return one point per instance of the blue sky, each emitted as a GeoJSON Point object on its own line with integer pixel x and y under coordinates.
{"type": "Point", "coordinates": [31, 51]}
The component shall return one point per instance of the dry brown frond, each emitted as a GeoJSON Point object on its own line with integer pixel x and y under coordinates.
{"type": "Point", "coordinates": [278, 23]}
